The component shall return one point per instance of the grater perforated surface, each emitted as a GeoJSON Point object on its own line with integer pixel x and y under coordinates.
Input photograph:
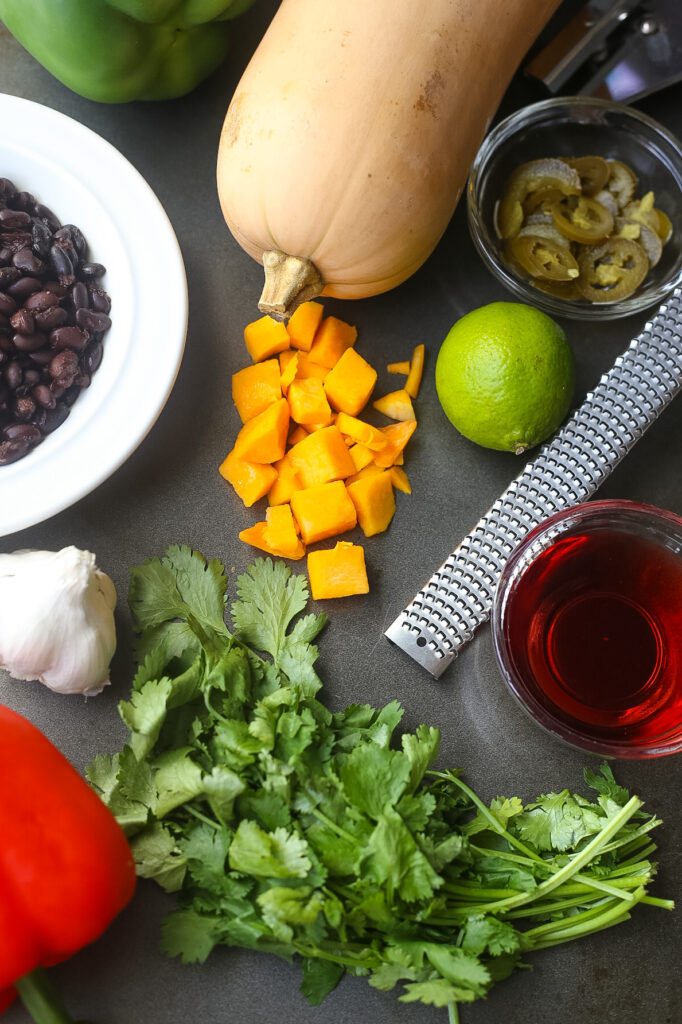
{"type": "Point", "coordinates": [458, 598]}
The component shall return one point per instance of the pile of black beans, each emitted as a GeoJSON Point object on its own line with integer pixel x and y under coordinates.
{"type": "Point", "coordinates": [53, 316]}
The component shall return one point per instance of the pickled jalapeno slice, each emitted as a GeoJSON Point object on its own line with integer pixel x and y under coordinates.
{"type": "Point", "coordinates": [593, 172]}
{"type": "Point", "coordinates": [584, 220]}
{"type": "Point", "coordinates": [542, 257]}
{"type": "Point", "coordinates": [612, 270]}
{"type": "Point", "coordinates": [530, 177]}
{"type": "Point", "coordinates": [622, 182]}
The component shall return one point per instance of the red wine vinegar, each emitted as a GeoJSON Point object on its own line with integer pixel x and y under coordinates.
{"type": "Point", "coordinates": [595, 629]}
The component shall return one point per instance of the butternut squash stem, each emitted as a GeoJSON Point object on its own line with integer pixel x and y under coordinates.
{"type": "Point", "coordinates": [289, 281]}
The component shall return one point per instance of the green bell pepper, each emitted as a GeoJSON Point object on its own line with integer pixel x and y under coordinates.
{"type": "Point", "coordinates": [114, 51]}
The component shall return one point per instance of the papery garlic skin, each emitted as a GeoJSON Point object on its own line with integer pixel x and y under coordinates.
{"type": "Point", "coordinates": [57, 619]}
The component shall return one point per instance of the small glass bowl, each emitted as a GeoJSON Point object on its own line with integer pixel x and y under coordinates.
{"type": "Point", "coordinates": [579, 126]}
{"type": "Point", "coordinates": [587, 628]}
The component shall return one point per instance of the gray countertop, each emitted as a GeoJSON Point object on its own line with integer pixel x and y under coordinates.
{"type": "Point", "coordinates": [169, 491]}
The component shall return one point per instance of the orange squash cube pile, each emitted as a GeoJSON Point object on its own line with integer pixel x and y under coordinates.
{"type": "Point", "coordinates": [305, 445]}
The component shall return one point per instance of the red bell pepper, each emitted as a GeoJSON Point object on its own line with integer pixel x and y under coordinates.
{"type": "Point", "coordinates": [66, 869]}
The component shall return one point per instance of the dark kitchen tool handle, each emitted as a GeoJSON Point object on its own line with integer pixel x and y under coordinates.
{"type": "Point", "coordinates": [568, 470]}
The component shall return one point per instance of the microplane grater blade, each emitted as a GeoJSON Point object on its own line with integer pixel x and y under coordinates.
{"type": "Point", "coordinates": [458, 598]}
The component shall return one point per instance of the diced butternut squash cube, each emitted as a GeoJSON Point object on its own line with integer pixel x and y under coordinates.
{"type": "Point", "coordinates": [303, 324]}
{"type": "Point", "coordinates": [364, 433]}
{"type": "Point", "coordinates": [350, 383]}
{"type": "Point", "coordinates": [323, 511]}
{"type": "Point", "coordinates": [306, 368]}
{"type": "Point", "coordinates": [321, 457]}
{"type": "Point", "coordinates": [251, 480]}
{"type": "Point", "coordinates": [308, 402]}
{"type": "Point", "coordinates": [397, 405]}
{"type": "Point", "coordinates": [365, 471]}
{"type": "Point", "coordinates": [414, 378]}
{"type": "Point", "coordinates": [264, 438]}
{"type": "Point", "coordinates": [282, 531]}
{"type": "Point", "coordinates": [338, 571]}
{"type": "Point", "coordinates": [403, 367]}
{"type": "Point", "coordinates": [397, 435]}
{"type": "Point", "coordinates": [374, 501]}
{"type": "Point", "coordinates": [265, 337]}
{"type": "Point", "coordinates": [255, 388]}
{"type": "Point", "coordinates": [361, 455]}
{"type": "Point", "coordinates": [333, 337]}
{"type": "Point", "coordinates": [277, 535]}
{"type": "Point", "coordinates": [288, 365]}
{"type": "Point", "coordinates": [399, 479]}
{"type": "Point", "coordinates": [286, 482]}
{"type": "Point", "coordinates": [297, 434]}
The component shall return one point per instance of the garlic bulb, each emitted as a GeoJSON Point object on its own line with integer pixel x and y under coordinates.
{"type": "Point", "coordinates": [57, 619]}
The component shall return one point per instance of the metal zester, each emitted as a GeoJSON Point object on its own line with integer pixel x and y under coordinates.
{"type": "Point", "coordinates": [457, 599]}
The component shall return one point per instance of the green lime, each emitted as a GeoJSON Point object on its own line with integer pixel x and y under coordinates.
{"type": "Point", "coordinates": [504, 376]}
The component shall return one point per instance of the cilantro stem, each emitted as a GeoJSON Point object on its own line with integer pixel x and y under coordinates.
{"type": "Point", "coordinates": [572, 868]}
{"type": "Point", "coordinates": [202, 817]}
{"type": "Point", "coordinates": [453, 1014]}
{"type": "Point", "coordinates": [332, 825]}
{"type": "Point", "coordinates": [487, 813]}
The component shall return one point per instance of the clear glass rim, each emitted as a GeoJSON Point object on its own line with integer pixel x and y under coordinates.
{"type": "Point", "coordinates": [558, 307]}
{"type": "Point", "coordinates": [542, 536]}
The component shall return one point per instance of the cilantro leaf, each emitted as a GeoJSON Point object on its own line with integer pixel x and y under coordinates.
{"type": "Point", "coordinates": [606, 785]}
{"type": "Point", "coordinates": [270, 599]}
{"type": "Point", "coordinates": [320, 977]}
{"type": "Point", "coordinates": [277, 854]}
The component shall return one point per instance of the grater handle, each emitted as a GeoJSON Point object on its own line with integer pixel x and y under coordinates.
{"type": "Point", "coordinates": [458, 598]}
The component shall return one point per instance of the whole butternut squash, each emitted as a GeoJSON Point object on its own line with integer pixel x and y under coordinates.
{"type": "Point", "coordinates": [351, 133]}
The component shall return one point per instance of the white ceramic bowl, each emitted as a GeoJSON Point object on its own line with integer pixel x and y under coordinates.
{"type": "Point", "coordinates": [87, 182]}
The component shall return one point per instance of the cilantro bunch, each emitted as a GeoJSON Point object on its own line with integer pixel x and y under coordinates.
{"type": "Point", "coordinates": [326, 837]}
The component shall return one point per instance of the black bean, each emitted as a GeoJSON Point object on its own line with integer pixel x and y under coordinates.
{"type": "Point", "coordinates": [69, 337]}
{"type": "Point", "coordinates": [7, 304]}
{"type": "Point", "coordinates": [48, 216]}
{"type": "Point", "coordinates": [41, 236]}
{"type": "Point", "coordinates": [92, 269]}
{"type": "Point", "coordinates": [99, 300]}
{"type": "Point", "coordinates": [27, 431]}
{"type": "Point", "coordinates": [93, 356]}
{"type": "Point", "coordinates": [27, 262]}
{"type": "Point", "coordinates": [8, 275]}
{"type": "Point", "coordinates": [75, 236]}
{"type": "Point", "coordinates": [23, 321]}
{"type": "Point", "coordinates": [13, 374]}
{"type": "Point", "coordinates": [80, 298]}
{"type": "Point", "coordinates": [71, 394]}
{"type": "Point", "coordinates": [12, 451]}
{"type": "Point", "coordinates": [60, 290]}
{"type": "Point", "coordinates": [63, 367]}
{"type": "Point", "coordinates": [92, 321]}
{"type": "Point", "coordinates": [43, 396]}
{"type": "Point", "coordinates": [24, 201]}
{"type": "Point", "coordinates": [24, 287]}
{"type": "Point", "coordinates": [42, 356]}
{"type": "Point", "coordinates": [7, 188]}
{"type": "Point", "coordinates": [24, 407]}
{"type": "Point", "coordinates": [61, 264]}
{"type": "Point", "coordinates": [40, 301]}
{"type": "Point", "coordinates": [13, 220]}
{"type": "Point", "coordinates": [29, 342]}
{"type": "Point", "coordinates": [4, 323]}
{"type": "Point", "coordinates": [55, 417]}
{"type": "Point", "coordinates": [48, 319]}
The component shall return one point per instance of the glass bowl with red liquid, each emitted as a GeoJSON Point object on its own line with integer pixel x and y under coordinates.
{"type": "Point", "coordinates": [587, 627]}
